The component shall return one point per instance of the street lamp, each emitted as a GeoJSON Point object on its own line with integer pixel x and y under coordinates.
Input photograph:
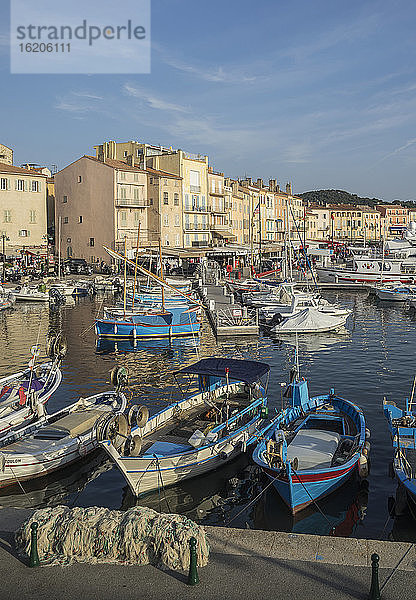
{"type": "Point", "coordinates": [4, 239]}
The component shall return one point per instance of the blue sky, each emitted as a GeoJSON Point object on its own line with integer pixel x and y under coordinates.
{"type": "Point", "coordinates": [320, 93]}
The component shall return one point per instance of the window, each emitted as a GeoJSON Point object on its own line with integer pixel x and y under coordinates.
{"type": "Point", "coordinates": [194, 179]}
{"type": "Point", "coordinates": [151, 201]}
{"type": "Point", "coordinates": [136, 193]}
{"type": "Point", "coordinates": [137, 216]}
{"type": "Point", "coordinates": [151, 180]}
{"type": "Point", "coordinates": [135, 177]}
{"type": "Point", "coordinates": [32, 216]}
{"type": "Point", "coordinates": [20, 185]}
{"type": "Point", "coordinates": [24, 233]}
{"type": "Point", "coordinates": [165, 198]}
{"type": "Point", "coordinates": [138, 153]}
{"type": "Point", "coordinates": [177, 240]}
{"type": "Point", "coordinates": [4, 184]}
{"type": "Point", "coordinates": [79, 179]}
{"type": "Point", "coordinates": [176, 199]}
{"type": "Point", "coordinates": [123, 215]}
{"type": "Point", "coordinates": [7, 216]}
{"type": "Point", "coordinates": [165, 182]}
{"type": "Point", "coordinates": [65, 219]}
{"type": "Point", "coordinates": [125, 153]}
{"type": "Point", "coordinates": [65, 199]}
{"type": "Point", "coordinates": [92, 242]}
{"type": "Point", "coordinates": [177, 220]}
{"type": "Point", "coordinates": [80, 219]}
{"type": "Point", "coordinates": [35, 187]}
{"type": "Point", "coordinates": [122, 175]}
{"type": "Point", "coordinates": [165, 220]}
{"type": "Point", "coordinates": [122, 193]}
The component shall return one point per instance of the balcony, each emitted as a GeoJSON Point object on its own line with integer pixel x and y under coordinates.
{"type": "Point", "coordinates": [133, 202]}
{"type": "Point", "coordinates": [220, 211]}
{"type": "Point", "coordinates": [196, 208]}
{"type": "Point", "coordinates": [195, 189]}
{"type": "Point", "coordinates": [220, 227]}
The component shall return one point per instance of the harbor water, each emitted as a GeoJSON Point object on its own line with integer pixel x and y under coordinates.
{"type": "Point", "coordinates": [372, 358]}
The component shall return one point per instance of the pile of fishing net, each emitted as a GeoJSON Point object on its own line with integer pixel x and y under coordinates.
{"type": "Point", "coordinates": [137, 536]}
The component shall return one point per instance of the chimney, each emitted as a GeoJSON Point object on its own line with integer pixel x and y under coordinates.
{"type": "Point", "coordinates": [259, 182]}
{"type": "Point", "coordinates": [289, 189]}
{"type": "Point", "coordinates": [272, 185]}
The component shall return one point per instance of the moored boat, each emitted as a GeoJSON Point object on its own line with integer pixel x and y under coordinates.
{"type": "Point", "coordinates": [62, 438]}
{"type": "Point", "coordinates": [402, 428]}
{"type": "Point", "coordinates": [199, 433]}
{"type": "Point", "coordinates": [310, 320]}
{"type": "Point", "coordinates": [313, 446]}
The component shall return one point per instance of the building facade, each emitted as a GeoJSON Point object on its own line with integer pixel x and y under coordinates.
{"type": "Point", "coordinates": [22, 210]}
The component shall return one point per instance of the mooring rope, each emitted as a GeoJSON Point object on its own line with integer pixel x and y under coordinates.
{"type": "Point", "coordinates": [396, 567]}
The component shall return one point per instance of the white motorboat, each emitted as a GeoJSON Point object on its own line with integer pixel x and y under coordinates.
{"type": "Point", "coordinates": [201, 432]}
{"type": "Point", "coordinates": [371, 270]}
{"type": "Point", "coordinates": [395, 293]}
{"type": "Point", "coordinates": [62, 438]}
{"type": "Point", "coordinates": [309, 320]}
{"type": "Point", "coordinates": [31, 294]}
{"type": "Point", "coordinates": [300, 301]}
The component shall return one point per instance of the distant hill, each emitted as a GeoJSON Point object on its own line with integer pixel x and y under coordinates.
{"type": "Point", "coordinates": [337, 197]}
{"type": "Point", "coordinates": [343, 197]}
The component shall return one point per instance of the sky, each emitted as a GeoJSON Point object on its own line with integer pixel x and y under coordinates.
{"type": "Point", "coordinates": [320, 93]}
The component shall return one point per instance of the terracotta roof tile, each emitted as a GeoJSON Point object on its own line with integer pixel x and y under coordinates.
{"type": "Point", "coordinates": [6, 168]}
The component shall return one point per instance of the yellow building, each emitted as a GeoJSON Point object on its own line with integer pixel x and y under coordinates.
{"type": "Point", "coordinates": [346, 223]}
{"type": "Point", "coordinates": [22, 210]}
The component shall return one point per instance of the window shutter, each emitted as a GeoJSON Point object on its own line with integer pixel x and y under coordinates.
{"type": "Point", "coordinates": [39, 186]}
{"type": "Point", "coordinates": [26, 185]}
{"type": "Point", "coordinates": [15, 184]}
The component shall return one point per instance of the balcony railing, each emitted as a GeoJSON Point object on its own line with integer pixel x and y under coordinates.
{"type": "Point", "coordinates": [221, 210]}
{"type": "Point", "coordinates": [195, 189]}
{"type": "Point", "coordinates": [195, 208]}
{"type": "Point", "coordinates": [132, 202]}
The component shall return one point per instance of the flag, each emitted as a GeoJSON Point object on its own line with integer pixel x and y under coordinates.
{"type": "Point", "coordinates": [257, 209]}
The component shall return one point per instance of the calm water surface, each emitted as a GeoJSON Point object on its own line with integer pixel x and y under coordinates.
{"type": "Point", "coordinates": [372, 359]}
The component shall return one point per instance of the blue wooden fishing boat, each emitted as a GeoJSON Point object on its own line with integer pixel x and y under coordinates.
{"type": "Point", "coordinates": [402, 427]}
{"type": "Point", "coordinates": [175, 322]}
{"type": "Point", "coordinates": [312, 447]}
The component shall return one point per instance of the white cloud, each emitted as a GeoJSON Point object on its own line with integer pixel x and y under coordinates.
{"type": "Point", "coordinates": [151, 100]}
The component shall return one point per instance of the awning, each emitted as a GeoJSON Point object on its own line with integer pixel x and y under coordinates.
{"type": "Point", "coordinates": [248, 371]}
{"type": "Point", "coordinates": [223, 234]}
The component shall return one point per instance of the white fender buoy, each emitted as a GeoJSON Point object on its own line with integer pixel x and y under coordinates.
{"type": "Point", "coordinates": [363, 466]}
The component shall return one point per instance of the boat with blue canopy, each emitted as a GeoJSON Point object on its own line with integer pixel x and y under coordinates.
{"type": "Point", "coordinates": [199, 433]}
{"type": "Point", "coordinates": [312, 447]}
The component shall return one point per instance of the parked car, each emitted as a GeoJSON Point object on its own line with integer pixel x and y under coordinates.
{"type": "Point", "coordinates": [77, 266]}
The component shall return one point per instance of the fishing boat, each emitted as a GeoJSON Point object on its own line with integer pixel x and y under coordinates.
{"type": "Point", "coordinates": [402, 428]}
{"type": "Point", "coordinates": [6, 299]}
{"type": "Point", "coordinates": [310, 320]}
{"type": "Point", "coordinates": [199, 433]}
{"type": "Point", "coordinates": [30, 294]}
{"type": "Point", "coordinates": [64, 437]}
{"type": "Point", "coordinates": [174, 322]}
{"type": "Point", "coordinates": [313, 446]}
{"type": "Point", "coordinates": [24, 394]}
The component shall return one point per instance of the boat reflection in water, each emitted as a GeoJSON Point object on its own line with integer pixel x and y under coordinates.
{"type": "Point", "coordinates": [108, 346]}
{"type": "Point", "coordinates": [403, 513]}
{"type": "Point", "coordinates": [62, 487]}
{"type": "Point", "coordinates": [340, 514]}
{"type": "Point", "coordinates": [314, 342]}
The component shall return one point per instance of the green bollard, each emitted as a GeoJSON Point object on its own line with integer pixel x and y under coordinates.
{"type": "Point", "coordinates": [374, 589]}
{"type": "Point", "coordinates": [34, 557]}
{"type": "Point", "coordinates": [193, 578]}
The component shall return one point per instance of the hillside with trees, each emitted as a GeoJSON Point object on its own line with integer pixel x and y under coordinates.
{"type": "Point", "coordinates": [342, 197]}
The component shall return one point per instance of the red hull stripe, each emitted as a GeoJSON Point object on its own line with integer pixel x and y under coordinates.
{"type": "Point", "coordinates": [313, 477]}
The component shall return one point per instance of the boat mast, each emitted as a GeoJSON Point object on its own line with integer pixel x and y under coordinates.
{"type": "Point", "coordinates": [260, 262]}
{"type": "Point", "coordinates": [135, 266]}
{"type": "Point", "coordinates": [161, 275]}
{"type": "Point", "coordinates": [59, 247]}
{"type": "Point", "coordinates": [125, 275]}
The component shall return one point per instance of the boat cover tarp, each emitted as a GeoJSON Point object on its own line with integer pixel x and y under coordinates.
{"type": "Point", "coordinates": [313, 448]}
{"type": "Point", "coordinates": [309, 320]}
{"type": "Point", "coordinates": [248, 371]}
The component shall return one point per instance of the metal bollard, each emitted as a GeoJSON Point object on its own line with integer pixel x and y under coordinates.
{"type": "Point", "coordinates": [34, 557]}
{"type": "Point", "coordinates": [193, 578]}
{"type": "Point", "coordinates": [374, 589]}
